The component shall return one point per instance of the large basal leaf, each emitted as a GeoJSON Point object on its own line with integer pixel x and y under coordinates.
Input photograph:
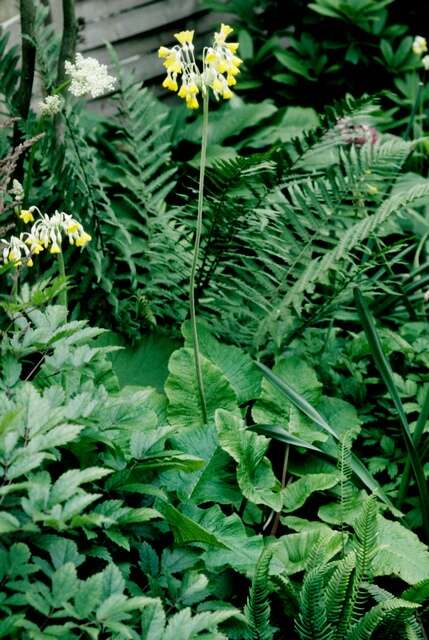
{"type": "Point", "coordinates": [400, 553]}
{"type": "Point", "coordinates": [181, 388]}
{"type": "Point", "coordinates": [296, 493]}
{"type": "Point", "coordinates": [294, 550]}
{"type": "Point", "coordinates": [255, 476]}
{"type": "Point", "coordinates": [242, 550]}
{"type": "Point", "coordinates": [229, 121]}
{"type": "Point", "coordinates": [236, 365]}
{"type": "Point", "coordinates": [144, 364]}
{"type": "Point", "coordinates": [275, 408]}
{"type": "Point", "coordinates": [215, 481]}
{"type": "Point", "coordinates": [184, 528]}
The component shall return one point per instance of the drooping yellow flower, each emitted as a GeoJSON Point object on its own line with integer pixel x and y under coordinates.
{"type": "Point", "coordinates": [83, 239]}
{"type": "Point", "coordinates": [184, 37]}
{"type": "Point", "coordinates": [55, 248]}
{"type": "Point", "coordinates": [26, 216]}
{"type": "Point", "coordinates": [220, 66]}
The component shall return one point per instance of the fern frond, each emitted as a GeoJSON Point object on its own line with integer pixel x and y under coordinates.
{"type": "Point", "coordinates": [369, 622]}
{"type": "Point", "coordinates": [287, 594]}
{"type": "Point", "coordinates": [312, 622]}
{"type": "Point", "coordinates": [257, 609]}
{"type": "Point", "coordinates": [9, 75]}
{"type": "Point", "coordinates": [338, 589]}
{"type": "Point", "coordinates": [365, 529]}
{"type": "Point", "coordinates": [345, 471]}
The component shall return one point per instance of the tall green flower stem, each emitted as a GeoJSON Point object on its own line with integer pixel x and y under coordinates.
{"type": "Point", "coordinates": [62, 296]}
{"type": "Point", "coordinates": [198, 232]}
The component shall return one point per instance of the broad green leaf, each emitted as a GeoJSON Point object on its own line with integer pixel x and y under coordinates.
{"type": "Point", "coordinates": [296, 493]}
{"type": "Point", "coordinates": [334, 513]}
{"type": "Point", "coordinates": [273, 407]}
{"type": "Point", "coordinates": [8, 522]}
{"type": "Point", "coordinates": [243, 550]}
{"type": "Point", "coordinates": [184, 528]}
{"type": "Point", "coordinates": [182, 392]}
{"type": "Point", "coordinates": [113, 582]}
{"type": "Point", "coordinates": [400, 553]}
{"type": "Point", "coordinates": [88, 596]}
{"type": "Point", "coordinates": [230, 121]}
{"type": "Point", "coordinates": [215, 481]}
{"type": "Point", "coordinates": [294, 550]}
{"type": "Point", "coordinates": [70, 481]}
{"type": "Point", "coordinates": [153, 620]}
{"type": "Point", "coordinates": [255, 476]}
{"type": "Point", "coordinates": [236, 365]}
{"type": "Point", "coordinates": [329, 447]}
{"type": "Point", "coordinates": [145, 363]}
{"type": "Point", "coordinates": [64, 584]}
{"type": "Point", "coordinates": [170, 459]}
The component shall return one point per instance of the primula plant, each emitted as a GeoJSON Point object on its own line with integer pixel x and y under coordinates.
{"type": "Point", "coordinates": [214, 343]}
{"type": "Point", "coordinates": [219, 70]}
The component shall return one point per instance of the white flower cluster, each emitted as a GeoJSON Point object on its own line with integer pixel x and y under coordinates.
{"type": "Point", "coordinates": [420, 47]}
{"type": "Point", "coordinates": [88, 76]}
{"type": "Point", "coordinates": [47, 232]}
{"type": "Point", "coordinates": [51, 105]}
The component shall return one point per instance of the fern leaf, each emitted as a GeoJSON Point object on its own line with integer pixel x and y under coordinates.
{"type": "Point", "coordinates": [257, 609]}
{"type": "Point", "coordinates": [338, 589]}
{"type": "Point", "coordinates": [366, 626]}
{"type": "Point", "coordinates": [312, 622]}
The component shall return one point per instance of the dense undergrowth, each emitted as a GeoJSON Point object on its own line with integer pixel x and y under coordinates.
{"type": "Point", "coordinates": [294, 502]}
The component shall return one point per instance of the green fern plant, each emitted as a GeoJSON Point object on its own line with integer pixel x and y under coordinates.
{"type": "Point", "coordinates": [257, 609]}
{"type": "Point", "coordinates": [342, 591]}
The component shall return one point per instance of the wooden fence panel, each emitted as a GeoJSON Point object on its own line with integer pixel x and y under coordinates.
{"type": "Point", "coordinates": [135, 28]}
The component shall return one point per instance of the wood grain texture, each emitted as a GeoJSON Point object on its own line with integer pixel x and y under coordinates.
{"type": "Point", "coordinates": [135, 28]}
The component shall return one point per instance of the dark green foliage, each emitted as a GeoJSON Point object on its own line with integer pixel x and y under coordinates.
{"type": "Point", "coordinates": [257, 609]}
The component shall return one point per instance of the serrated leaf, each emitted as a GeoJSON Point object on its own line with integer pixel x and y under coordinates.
{"type": "Point", "coordinates": [88, 596]}
{"type": "Point", "coordinates": [64, 584]}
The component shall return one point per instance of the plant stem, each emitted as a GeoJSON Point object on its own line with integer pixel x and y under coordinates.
{"type": "Point", "coordinates": [69, 39]}
{"type": "Point", "coordinates": [198, 232]}
{"type": "Point", "coordinates": [62, 296]}
{"type": "Point", "coordinates": [410, 126]}
{"type": "Point", "coordinates": [418, 432]}
{"type": "Point", "coordinates": [283, 484]}
{"type": "Point", "coordinates": [22, 97]}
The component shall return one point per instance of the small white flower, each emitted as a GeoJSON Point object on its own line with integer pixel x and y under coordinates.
{"type": "Point", "coordinates": [420, 45]}
{"type": "Point", "coordinates": [17, 191]}
{"type": "Point", "coordinates": [425, 62]}
{"type": "Point", "coordinates": [88, 76]}
{"type": "Point", "coordinates": [50, 106]}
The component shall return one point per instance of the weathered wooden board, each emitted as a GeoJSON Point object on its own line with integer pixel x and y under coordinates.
{"type": "Point", "coordinates": [135, 28]}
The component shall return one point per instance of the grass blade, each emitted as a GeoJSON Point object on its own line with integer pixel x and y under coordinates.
{"type": "Point", "coordinates": [303, 405]}
{"type": "Point", "coordinates": [386, 374]}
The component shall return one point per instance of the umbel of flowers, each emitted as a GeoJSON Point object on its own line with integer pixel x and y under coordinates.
{"type": "Point", "coordinates": [220, 66]}
{"type": "Point", "coordinates": [86, 77]}
{"type": "Point", "coordinates": [46, 234]}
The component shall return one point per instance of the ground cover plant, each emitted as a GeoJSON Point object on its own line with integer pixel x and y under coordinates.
{"type": "Point", "coordinates": [214, 344]}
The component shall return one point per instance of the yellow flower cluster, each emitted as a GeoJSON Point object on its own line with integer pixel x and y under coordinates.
{"type": "Point", "coordinates": [220, 66]}
{"type": "Point", "coordinates": [46, 233]}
